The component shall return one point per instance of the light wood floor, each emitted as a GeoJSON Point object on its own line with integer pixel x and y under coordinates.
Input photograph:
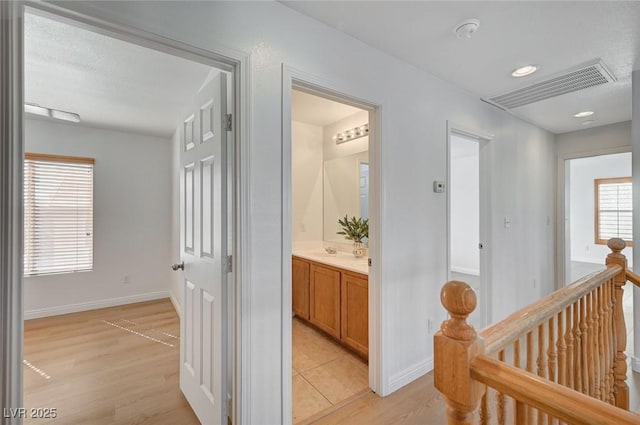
{"type": "Point", "coordinates": [114, 366]}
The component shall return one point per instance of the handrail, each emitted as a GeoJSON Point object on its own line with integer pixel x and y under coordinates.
{"type": "Point", "coordinates": [559, 401]}
{"type": "Point", "coordinates": [575, 337]}
{"type": "Point", "coordinates": [521, 322]}
{"type": "Point", "coordinates": [633, 278]}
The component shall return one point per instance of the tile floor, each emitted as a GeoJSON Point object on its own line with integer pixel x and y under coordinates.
{"type": "Point", "coordinates": [324, 374]}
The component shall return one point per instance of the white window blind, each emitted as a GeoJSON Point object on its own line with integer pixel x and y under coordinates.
{"type": "Point", "coordinates": [614, 209]}
{"type": "Point", "coordinates": [58, 214]}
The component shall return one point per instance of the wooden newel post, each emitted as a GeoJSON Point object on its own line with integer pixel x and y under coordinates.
{"type": "Point", "coordinates": [621, 389]}
{"type": "Point", "coordinates": [455, 345]}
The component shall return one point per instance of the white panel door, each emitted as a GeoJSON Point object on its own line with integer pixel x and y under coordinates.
{"type": "Point", "coordinates": [203, 243]}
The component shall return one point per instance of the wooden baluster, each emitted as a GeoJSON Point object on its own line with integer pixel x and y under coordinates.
{"type": "Point", "coordinates": [552, 358]}
{"type": "Point", "coordinates": [541, 367]}
{"type": "Point", "coordinates": [485, 416]}
{"type": "Point", "coordinates": [594, 386]}
{"type": "Point", "coordinates": [584, 350]}
{"type": "Point", "coordinates": [617, 258]}
{"type": "Point", "coordinates": [455, 346]}
{"type": "Point", "coordinates": [569, 341]}
{"type": "Point", "coordinates": [577, 313]}
{"type": "Point", "coordinates": [562, 352]}
{"type": "Point", "coordinates": [530, 410]}
{"type": "Point", "coordinates": [520, 414]}
{"type": "Point", "coordinates": [500, 398]}
{"type": "Point", "coordinates": [601, 344]}
{"type": "Point", "coordinates": [516, 363]}
{"type": "Point", "coordinates": [612, 339]}
{"type": "Point", "coordinates": [611, 353]}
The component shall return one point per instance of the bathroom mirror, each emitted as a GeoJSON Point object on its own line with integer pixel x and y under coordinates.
{"type": "Point", "coordinates": [345, 191]}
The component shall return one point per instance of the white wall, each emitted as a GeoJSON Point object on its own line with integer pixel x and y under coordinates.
{"type": "Point", "coordinates": [415, 107]}
{"type": "Point", "coordinates": [306, 182]}
{"type": "Point", "coordinates": [583, 172]}
{"type": "Point", "coordinates": [464, 188]}
{"type": "Point", "coordinates": [595, 139]}
{"type": "Point", "coordinates": [131, 219]}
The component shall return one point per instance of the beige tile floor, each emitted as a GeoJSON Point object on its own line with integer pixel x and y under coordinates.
{"type": "Point", "coordinates": [324, 374]}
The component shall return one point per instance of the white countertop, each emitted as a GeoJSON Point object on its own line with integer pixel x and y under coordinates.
{"type": "Point", "coordinates": [341, 260]}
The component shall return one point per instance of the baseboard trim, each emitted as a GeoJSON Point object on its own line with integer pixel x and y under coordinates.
{"type": "Point", "coordinates": [588, 260]}
{"type": "Point", "coordinates": [176, 304]}
{"type": "Point", "coordinates": [410, 374]}
{"type": "Point", "coordinates": [465, 270]}
{"type": "Point", "coordinates": [93, 305]}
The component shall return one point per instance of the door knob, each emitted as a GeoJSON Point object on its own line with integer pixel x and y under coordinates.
{"type": "Point", "coordinates": [176, 267]}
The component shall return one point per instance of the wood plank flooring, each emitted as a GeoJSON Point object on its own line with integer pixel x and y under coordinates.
{"type": "Point", "coordinates": [113, 366]}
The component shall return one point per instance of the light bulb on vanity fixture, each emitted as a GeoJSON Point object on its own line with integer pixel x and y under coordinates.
{"type": "Point", "coordinates": [352, 134]}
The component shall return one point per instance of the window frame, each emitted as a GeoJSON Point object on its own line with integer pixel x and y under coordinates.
{"type": "Point", "coordinates": [63, 159]}
{"type": "Point", "coordinates": [597, 183]}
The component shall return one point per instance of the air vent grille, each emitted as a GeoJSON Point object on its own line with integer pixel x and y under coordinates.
{"type": "Point", "coordinates": [585, 76]}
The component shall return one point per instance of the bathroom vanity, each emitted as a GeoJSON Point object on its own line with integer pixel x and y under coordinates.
{"type": "Point", "coordinates": [331, 292]}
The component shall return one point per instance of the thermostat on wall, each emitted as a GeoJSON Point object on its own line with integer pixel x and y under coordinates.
{"type": "Point", "coordinates": [438, 187]}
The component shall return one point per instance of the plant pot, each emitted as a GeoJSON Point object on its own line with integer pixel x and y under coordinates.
{"type": "Point", "coordinates": [358, 249]}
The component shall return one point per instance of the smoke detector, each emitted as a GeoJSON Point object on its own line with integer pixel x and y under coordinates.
{"type": "Point", "coordinates": [466, 28]}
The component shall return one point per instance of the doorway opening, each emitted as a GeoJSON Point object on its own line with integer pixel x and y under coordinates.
{"type": "Point", "coordinates": [598, 206]}
{"type": "Point", "coordinates": [155, 122]}
{"type": "Point", "coordinates": [330, 284]}
{"type": "Point", "coordinates": [469, 218]}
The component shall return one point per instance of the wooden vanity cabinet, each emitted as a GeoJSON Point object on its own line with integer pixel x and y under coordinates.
{"type": "Point", "coordinates": [300, 287]}
{"type": "Point", "coordinates": [324, 298]}
{"type": "Point", "coordinates": [334, 300]}
{"type": "Point", "coordinates": [355, 312]}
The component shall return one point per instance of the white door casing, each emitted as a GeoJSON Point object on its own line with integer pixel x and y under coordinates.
{"type": "Point", "coordinates": [203, 247]}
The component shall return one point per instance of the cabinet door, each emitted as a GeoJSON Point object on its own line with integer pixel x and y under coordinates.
{"type": "Point", "coordinates": [300, 287]}
{"type": "Point", "coordinates": [355, 312]}
{"type": "Point", "coordinates": [325, 299]}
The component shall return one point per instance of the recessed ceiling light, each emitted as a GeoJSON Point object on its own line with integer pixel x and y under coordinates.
{"type": "Point", "coordinates": [523, 71]}
{"type": "Point", "coordinates": [587, 122]}
{"type": "Point", "coordinates": [583, 114]}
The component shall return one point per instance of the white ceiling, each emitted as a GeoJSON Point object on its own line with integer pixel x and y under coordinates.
{"type": "Point", "coordinates": [109, 82]}
{"type": "Point", "coordinates": [553, 35]}
{"type": "Point", "coordinates": [316, 110]}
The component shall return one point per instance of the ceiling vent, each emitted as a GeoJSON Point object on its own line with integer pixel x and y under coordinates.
{"type": "Point", "coordinates": [584, 76]}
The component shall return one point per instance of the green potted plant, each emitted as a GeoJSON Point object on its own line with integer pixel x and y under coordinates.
{"type": "Point", "coordinates": [356, 230]}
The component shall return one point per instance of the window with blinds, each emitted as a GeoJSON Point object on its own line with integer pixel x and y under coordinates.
{"type": "Point", "coordinates": [614, 209]}
{"type": "Point", "coordinates": [58, 214]}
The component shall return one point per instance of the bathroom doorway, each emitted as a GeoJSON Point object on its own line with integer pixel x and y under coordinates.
{"type": "Point", "coordinates": [329, 275]}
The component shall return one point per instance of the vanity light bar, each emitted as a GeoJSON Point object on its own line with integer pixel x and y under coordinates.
{"type": "Point", "coordinates": [352, 134]}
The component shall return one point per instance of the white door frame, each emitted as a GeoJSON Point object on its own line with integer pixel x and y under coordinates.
{"type": "Point", "coordinates": [296, 79]}
{"type": "Point", "coordinates": [560, 258]}
{"type": "Point", "coordinates": [485, 204]}
{"type": "Point", "coordinates": [11, 162]}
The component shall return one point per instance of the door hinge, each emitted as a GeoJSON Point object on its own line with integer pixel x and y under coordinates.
{"type": "Point", "coordinates": [369, 262]}
{"type": "Point", "coordinates": [228, 264]}
{"type": "Point", "coordinates": [228, 122]}
{"type": "Point", "coordinates": [229, 411]}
